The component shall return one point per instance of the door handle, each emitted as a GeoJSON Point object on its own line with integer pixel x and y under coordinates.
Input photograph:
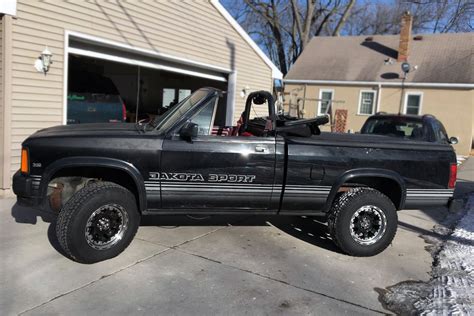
{"type": "Point", "coordinates": [259, 149]}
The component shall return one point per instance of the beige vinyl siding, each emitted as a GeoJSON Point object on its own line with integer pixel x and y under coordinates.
{"type": "Point", "coordinates": [188, 29]}
{"type": "Point", "coordinates": [450, 106]}
{"type": "Point", "coordinates": [472, 113]}
{"type": "Point", "coordinates": [445, 104]}
{"type": "Point", "coordinates": [2, 151]}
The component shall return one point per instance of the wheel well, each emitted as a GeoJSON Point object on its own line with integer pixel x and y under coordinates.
{"type": "Point", "coordinates": [117, 176]}
{"type": "Point", "coordinates": [387, 186]}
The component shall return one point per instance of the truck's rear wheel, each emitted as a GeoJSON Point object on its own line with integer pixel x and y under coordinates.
{"type": "Point", "coordinates": [362, 222]}
{"type": "Point", "coordinates": [98, 222]}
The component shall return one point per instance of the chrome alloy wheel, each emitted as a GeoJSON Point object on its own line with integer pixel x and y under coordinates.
{"type": "Point", "coordinates": [368, 225]}
{"type": "Point", "coordinates": [106, 226]}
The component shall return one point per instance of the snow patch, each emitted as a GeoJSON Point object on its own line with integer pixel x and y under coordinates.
{"type": "Point", "coordinates": [453, 281]}
{"type": "Point", "coordinates": [460, 159]}
{"type": "Point", "coordinates": [451, 288]}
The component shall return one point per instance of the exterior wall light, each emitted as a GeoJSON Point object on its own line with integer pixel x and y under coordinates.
{"type": "Point", "coordinates": [44, 61]}
{"type": "Point", "coordinates": [244, 92]}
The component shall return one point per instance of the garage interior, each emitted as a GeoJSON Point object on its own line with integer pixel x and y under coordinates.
{"type": "Point", "coordinates": [146, 92]}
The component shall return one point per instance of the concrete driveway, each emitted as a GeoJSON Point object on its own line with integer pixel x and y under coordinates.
{"type": "Point", "coordinates": [221, 265]}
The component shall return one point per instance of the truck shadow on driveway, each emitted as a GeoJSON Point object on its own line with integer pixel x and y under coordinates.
{"type": "Point", "coordinates": [311, 230]}
{"type": "Point", "coordinates": [26, 215]}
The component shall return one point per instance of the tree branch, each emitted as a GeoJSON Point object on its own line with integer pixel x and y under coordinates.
{"type": "Point", "coordinates": [344, 17]}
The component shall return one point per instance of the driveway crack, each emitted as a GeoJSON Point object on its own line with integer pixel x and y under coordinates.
{"type": "Point", "coordinates": [94, 281]}
{"type": "Point", "coordinates": [282, 282]}
{"type": "Point", "coordinates": [128, 266]}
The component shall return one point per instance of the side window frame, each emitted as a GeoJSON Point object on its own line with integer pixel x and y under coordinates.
{"type": "Point", "coordinates": [175, 130]}
{"type": "Point", "coordinates": [213, 118]}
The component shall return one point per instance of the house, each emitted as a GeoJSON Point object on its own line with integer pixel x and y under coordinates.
{"type": "Point", "coordinates": [154, 52]}
{"type": "Point", "coordinates": [363, 75]}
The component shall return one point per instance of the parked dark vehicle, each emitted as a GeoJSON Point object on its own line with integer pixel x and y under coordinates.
{"type": "Point", "coordinates": [414, 127]}
{"type": "Point", "coordinates": [93, 98]}
{"type": "Point", "coordinates": [103, 177]}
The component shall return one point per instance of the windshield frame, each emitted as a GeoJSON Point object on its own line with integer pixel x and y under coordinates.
{"type": "Point", "coordinates": [211, 92]}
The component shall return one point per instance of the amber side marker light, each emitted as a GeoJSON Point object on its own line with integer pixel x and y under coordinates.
{"type": "Point", "coordinates": [453, 172]}
{"type": "Point", "coordinates": [25, 165]}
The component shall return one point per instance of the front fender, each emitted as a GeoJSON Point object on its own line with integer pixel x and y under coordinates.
{"type": "Point", "coordinates": [110, 163]}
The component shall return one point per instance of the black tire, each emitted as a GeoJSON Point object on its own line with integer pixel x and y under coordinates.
{"type": "Point", "coordinates": [114, 204]}
{"type": "Point", "coordinates": [371, 213]}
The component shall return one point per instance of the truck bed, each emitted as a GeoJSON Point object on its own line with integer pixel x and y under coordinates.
{"type": "Point", "coordinates": [367, 141]}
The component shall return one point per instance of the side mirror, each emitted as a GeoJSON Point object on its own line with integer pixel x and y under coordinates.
{"type": "Point", "coordinates": [453, 140]}
{"type": "Point", "coordinates": [189, 131]}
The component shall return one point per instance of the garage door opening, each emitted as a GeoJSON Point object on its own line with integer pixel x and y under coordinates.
{"type": "Point", "coordinates": [104, 91]}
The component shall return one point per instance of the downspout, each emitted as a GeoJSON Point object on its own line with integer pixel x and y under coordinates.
{"type": "Point", "coordinates": [6, 76]}
{"type": "Point", "coordinates": [402, 94]}
{"type": "Point", "coordinates": [379, 97]}
{"type": "Point", "coordinates": [304, 103]}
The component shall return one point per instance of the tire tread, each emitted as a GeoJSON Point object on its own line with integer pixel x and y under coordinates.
{"type": "Point", "coordinates": [340, 205]}
{"type": "Point", "coordinates": [67, 213]}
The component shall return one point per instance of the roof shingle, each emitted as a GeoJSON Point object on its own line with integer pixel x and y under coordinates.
{"type": "Point", "coordinates": [440, 58]}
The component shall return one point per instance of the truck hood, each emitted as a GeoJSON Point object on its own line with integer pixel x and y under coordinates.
{"type": "Point", "coordinates": [88, 130]}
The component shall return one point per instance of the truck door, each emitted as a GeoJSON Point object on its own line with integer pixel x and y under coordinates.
{"type": "Point", "coordinates": [227, 172]}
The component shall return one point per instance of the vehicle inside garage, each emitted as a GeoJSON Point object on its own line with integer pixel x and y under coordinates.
{"type": "Point", "coordinates": [105, 91]}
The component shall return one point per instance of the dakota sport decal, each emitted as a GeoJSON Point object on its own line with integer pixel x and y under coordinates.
{"type": "Point", "coordinates": [197, 177]}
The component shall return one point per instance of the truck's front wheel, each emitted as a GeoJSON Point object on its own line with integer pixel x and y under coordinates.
{"type": "Point", "coordinates": [98, 222]}
{"type": "Point", "coordinates": [362, 222]}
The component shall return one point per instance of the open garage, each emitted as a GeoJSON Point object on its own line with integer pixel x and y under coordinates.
{"type": "Point", "coordinates": [106, 91]}
{"type": "Point", "coordinates": [109, 83]}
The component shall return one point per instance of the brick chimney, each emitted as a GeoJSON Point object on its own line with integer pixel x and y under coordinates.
{"type": "Point", "coordinates": [405, 34]}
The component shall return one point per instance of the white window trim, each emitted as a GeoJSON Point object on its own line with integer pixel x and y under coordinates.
{"type": "Point", "coordinates": [374, 104]}
{"type": "Point", "coordinates": [405, 103]}
{"type": "Point", "coordinates": [321, 91]}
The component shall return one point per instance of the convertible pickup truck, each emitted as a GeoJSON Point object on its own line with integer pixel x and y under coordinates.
{"type": "Point", "coordinates": [101, 178]}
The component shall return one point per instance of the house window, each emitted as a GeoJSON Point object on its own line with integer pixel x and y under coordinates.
{"type": "Point", "coordinates": [413, 103]}
{"type": "Point", "coordinates": [325, 98]}
{"type": "Point", "coordinates": [366, 102]}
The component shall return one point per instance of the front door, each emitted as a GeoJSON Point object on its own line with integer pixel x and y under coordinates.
{"type": "Point", "coordinates": [217, 172]}
{"type": "Point", "coordinates": [225, 172]}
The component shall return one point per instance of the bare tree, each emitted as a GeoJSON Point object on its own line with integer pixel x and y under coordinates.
{"type": "Point", "coordinates": [303, 22]}
{"type": "Point", "coordinates": [270, 12]}
{"type": "Point", "coordinates": [440, 16]}
{"type": "Point", "coordinates": [343, 19]}
{"type": "Point", "coordinates": [283, 28]}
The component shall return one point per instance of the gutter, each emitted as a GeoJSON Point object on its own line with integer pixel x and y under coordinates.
{"type": "Point", "coordinates": [383, 83]}
{"type": "Point", "coordinates": [6, 83]}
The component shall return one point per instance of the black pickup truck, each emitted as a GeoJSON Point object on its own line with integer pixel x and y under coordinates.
{"type": "Point", "coordinates": [102, 177]}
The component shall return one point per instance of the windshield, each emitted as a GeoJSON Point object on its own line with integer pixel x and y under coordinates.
{"type": "Point", "coordinates": [168, 119]}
